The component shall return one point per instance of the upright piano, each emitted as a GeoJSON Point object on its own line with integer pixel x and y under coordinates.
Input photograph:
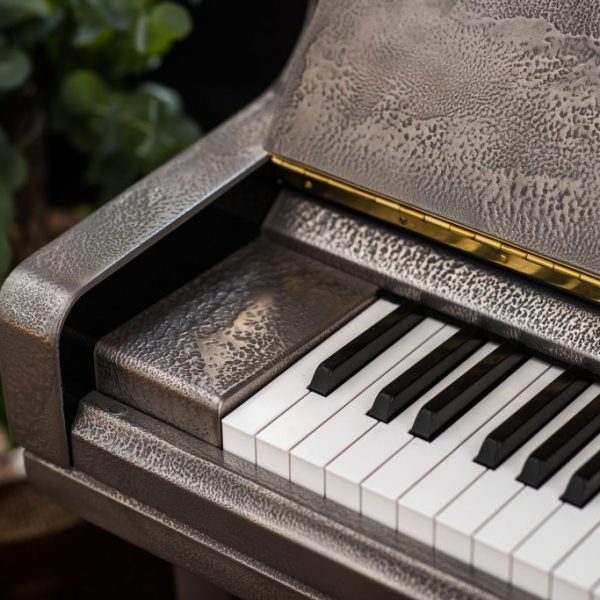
{"type": "Point", "coordinates": [348, 344]}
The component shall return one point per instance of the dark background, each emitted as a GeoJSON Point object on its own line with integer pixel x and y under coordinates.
{"type": "Point", "coordinates": [236, 51]}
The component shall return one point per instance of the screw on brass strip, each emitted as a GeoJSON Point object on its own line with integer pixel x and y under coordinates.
{"type": "Point", "coordinates": [451, 234]}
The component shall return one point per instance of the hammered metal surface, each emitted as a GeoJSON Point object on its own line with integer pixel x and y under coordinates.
{"type": "Point", "coordinates": [486, 112]}
{"type": "Point", "coordinates": [38, 295]}
{"type": "Point", "coordinates": [554, 324]}
{"type": "Point", "coordinates": [260, 515]}
{"type": "Point", "coordinates": [195, 355]}
{"type": "Point", "coordinates": [163, 536]}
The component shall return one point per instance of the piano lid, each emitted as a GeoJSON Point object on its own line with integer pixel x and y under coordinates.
{"type": "Point", "coordinates": [475, 122]}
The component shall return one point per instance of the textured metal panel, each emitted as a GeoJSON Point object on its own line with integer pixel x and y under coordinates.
{"type": "Point", "coordinates": [38, 295]}
{"type": "Point", "coordinates": [260, 515]}
{"type": "Point", "coordinates": [162, 535]}
{"type": "Point", "coordinates": [195, 355]}
{"type": "Point", "coordinates": [552, 323]}
{"type": "Point", "coordinates": [485, 112]}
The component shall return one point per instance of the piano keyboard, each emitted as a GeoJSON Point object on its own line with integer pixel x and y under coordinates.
{"type": "Point", "coordinates": [463, 441]}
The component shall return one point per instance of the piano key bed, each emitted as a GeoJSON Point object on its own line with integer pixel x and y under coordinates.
{"type": "Point", "coordinates": [446, 419]}
{"type": "Point", "coordinates": [463, 441]}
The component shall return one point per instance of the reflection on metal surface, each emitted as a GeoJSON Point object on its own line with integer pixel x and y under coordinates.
{"type": "Point", "coordinates": [199, 352]}
{"type": "Point", "coordinates": [441, 230]}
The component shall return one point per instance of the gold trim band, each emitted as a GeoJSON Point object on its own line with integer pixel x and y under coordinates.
{"type": "Point", "coordinates": [556, 274]}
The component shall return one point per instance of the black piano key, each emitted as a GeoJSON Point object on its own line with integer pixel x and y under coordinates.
{"type": "Point", "coordinates": [562, 445]}
{"type": "Point", "coordinates": [509, 436]}
{"type": "Point", "coordinates": [461, 395]}
{"type": "Point", "coordinates": [413, 383]}
{"type": "Point", "coordinates": [347, 361]}
{"type": "Point", "coordinates": [584, 484]}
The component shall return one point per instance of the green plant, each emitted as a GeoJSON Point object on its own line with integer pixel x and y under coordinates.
{"type": "Point", "coordinates": [81, 63]}
{"type": "Point", "coordinates": [77, 67]}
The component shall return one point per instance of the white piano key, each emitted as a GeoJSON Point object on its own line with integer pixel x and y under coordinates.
{"type": "Point", "coordinates": [576, 576]}
{"type": "Point", "coordinates": [241, 425]}
{"type": "Point", "coordinates": [344, 475]}
{"type": "Point", "coordinates": [535, 558]}
{"type": "Point", "coordinates": [382, 489]}
{"type": "Point", "coordinates": [495, 541]}
{"type": "Point", "coordinates": [457, 524]}
{"type": "Point", "coordinates": [419, 507]}
{"type": "Point", "coordinates": [309, 457]}
{"type": "Point", "coordinates": [275, 441]}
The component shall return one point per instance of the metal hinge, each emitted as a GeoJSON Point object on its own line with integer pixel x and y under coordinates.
{"type": "Point", "coordinates": [551, 272]}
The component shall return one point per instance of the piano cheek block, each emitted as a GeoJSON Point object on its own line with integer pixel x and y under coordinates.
{"type": "Point", "coordinates": [195, 355]}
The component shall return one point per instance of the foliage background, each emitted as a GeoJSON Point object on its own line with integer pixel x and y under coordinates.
{"type": "Point", "coordinates": [76, 68]}
{"type": "Point", "coordinates": [79, 64]}
{"type": "Point", "coordinates": [233, 52]}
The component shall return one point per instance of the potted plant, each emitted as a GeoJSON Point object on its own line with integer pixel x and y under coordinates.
{"type": "Point", "coordinates": [76, 71]}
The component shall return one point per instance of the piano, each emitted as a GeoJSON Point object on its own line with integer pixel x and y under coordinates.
{"type": "Point", "coordinates": [346, 345]}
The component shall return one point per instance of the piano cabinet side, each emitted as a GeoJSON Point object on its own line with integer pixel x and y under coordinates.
{"type": "Point", "coordinates": [236, 525]}
{"type": "Point", "coordinates": [38, 296]}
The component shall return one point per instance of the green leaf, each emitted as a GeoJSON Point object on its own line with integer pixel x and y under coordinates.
{"type": "Point", "coordinates": [13, 168]}
{"type": "Point", "coordinates": [13, 12]}
{"type": "Point", "coordinates": [167, 24]}
{"type": "Point", "coordinates": [174, 19]}
{"type": "Point", "coordinates": [38, 8]}
{"type": "Point", "coordinates": [15, 67]}
{"type": "Point", "coordinates": [117, 14]}
{"type": "Point", "coordinates": [82, 90]}
{"type": "Point", "coordinates": [88, 34]}
{"type": "Point", "coordinates": [167, 96]}
{"type": "Point", "coordinates": [141, 35]}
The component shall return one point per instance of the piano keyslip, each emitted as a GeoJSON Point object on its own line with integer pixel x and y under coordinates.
{"type": "Point", "coordinates": [439, 492]}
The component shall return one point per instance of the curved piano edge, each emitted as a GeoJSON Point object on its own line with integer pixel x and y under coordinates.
{"type": "Point", "coordinates": [38, 295]}
{"type": "Point", "coordinates": [544, 319]}
{"type": "Point", "coordinates": [197, 507]}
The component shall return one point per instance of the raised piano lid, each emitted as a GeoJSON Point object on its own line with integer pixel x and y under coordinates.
{"type": "Point", "coordinates": [476, 123]}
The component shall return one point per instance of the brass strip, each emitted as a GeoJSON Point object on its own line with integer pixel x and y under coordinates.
{"type": "Point", "coordinates": [556, 274]}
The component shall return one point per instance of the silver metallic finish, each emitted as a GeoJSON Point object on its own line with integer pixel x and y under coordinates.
{"type": "Point", "coordinates": [252, 513]}
{"type": "Point", "coordinates": [196, 354]}
{"type": "Point", "coordinates": [162, 535]}
{"type": "Point", "coordinates": [554, 324]}
{"type": "Point", "coordinates": [485, 112]}
{"type": "Point", "coordinates": [37, 297]}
